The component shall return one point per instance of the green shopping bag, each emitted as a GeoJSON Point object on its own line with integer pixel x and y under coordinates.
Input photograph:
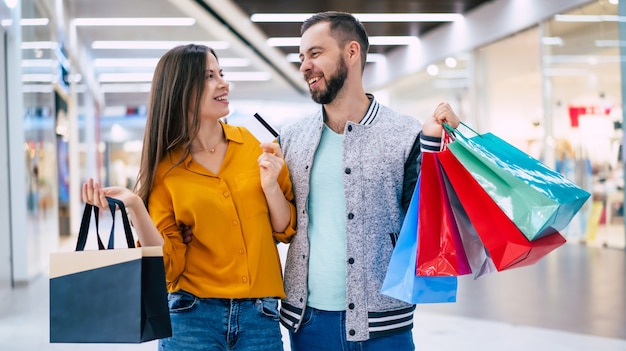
{"type": "Point", "coordinates": [536, 198]}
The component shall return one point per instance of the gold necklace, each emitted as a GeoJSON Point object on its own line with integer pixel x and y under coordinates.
{"type": "Point", "coordinates": [211, 150]}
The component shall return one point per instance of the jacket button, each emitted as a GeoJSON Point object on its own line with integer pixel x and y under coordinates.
{"type": "Point", "coordinates": [348, 170]}
{"type": "Point", "coordinates": [351, 332]}
{"type": "Point", "coordinates": [350, 215]}
{"type": "Point", "coordinates": [349, 128]}
{"type": "Point", "coordinates": [351, 260]}
{"type": "Point", "coordinates": [351, 306]}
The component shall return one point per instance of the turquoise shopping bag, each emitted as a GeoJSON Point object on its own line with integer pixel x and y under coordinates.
{"type": "Point", "coordinates": [536, 198]}
{"type": "Point", "coordinates": [401, 282]}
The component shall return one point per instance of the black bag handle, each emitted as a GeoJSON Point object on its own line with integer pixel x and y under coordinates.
{"type": "Point", "coordinates": [84, 226]}
{"type": "Point", "coordinates": [128, 233]}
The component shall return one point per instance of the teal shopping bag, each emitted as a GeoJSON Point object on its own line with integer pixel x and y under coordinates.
{"type": "Point", "coordinates": [401, 282]}
{"type": "Point", "coordinates": [536, 198]}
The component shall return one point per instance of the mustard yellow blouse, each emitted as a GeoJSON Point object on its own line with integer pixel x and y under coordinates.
{"type": "Point", "coordinates": [233, 253]}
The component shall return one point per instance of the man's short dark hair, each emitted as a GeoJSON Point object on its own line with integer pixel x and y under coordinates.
{"type": "Point", "coordinates": [345, 27]}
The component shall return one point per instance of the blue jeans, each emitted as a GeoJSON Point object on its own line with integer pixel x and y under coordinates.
{"type": "Point", "coordinates": [326, 331]}
{"type": "Point", "coordinates": [222, 324]}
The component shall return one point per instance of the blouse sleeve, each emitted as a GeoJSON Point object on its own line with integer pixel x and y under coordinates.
{"type": "Point", "coordinates": [161, 210]}
{"type": "Point", "coordinates": [284, 180]}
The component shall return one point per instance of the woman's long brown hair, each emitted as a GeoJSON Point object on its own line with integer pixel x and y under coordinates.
{"type": "Point", "coordinates": [172, 120]}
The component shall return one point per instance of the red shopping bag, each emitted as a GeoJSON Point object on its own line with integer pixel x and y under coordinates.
{"type": "Point", "coordinates": [507, 245]}
{"type": "Point", "coordinates": [440, 251]}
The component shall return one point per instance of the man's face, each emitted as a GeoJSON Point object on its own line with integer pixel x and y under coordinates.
{"type": "Point", "coordinates": [334, 83]}
{"type": "Point", "coordinates": [322, 65]}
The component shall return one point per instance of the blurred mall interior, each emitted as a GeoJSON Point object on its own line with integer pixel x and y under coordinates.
{"type": "Point", "coordinates": [546, 76]}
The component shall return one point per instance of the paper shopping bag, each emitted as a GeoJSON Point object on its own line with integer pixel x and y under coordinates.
{"type": "Point", "coordinates": [508, 247]}
{"type": "Point", "coordinates": [439, 247]}
{"type": "Point", "coordinates": [537, 199]}
{"type": "Point", "coordinates": [108, 295]}
{"type": "Point", "coordinates": [477, 255]}
{"type": "Point", "coordinates": [401, 282]}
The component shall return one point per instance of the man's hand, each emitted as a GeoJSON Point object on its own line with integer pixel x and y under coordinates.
{"type": "Point", "coordinates": [442, 114]}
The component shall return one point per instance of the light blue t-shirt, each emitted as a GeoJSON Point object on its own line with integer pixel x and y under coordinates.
{"type": "Point", "coordinates": [327, 226]}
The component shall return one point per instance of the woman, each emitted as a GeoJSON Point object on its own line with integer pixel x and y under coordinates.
{"type": "Point", "coordinates": [235, 196]}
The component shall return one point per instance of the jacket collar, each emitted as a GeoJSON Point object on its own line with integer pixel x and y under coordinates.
{"type": "Point", "coordinates": [370, 114]}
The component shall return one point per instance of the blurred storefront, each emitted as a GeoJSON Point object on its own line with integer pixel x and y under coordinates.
{"type": "Point", "coordinates": [553, 90]}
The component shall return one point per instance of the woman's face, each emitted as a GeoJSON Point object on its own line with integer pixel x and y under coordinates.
{"type": "Point", "coordinates": [214, 100]}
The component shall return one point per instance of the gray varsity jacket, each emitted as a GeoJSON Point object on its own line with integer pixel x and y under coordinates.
{"type": "Point", "coordinates": [375, 154]}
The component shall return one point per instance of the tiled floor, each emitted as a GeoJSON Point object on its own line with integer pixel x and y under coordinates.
{"type": "Point", "coordinates": [572, 300]}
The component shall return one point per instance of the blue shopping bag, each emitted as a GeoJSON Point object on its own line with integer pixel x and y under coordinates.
{"type": "Point", "coordinates": [401, 282]}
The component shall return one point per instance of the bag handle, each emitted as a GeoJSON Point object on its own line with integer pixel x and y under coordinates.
{"type": "Point", "coordinates": [128, 233]}
{"type": "Point", "coordinates": [84, 226]}
{"type": "Point", "coordinates": [450, 134]}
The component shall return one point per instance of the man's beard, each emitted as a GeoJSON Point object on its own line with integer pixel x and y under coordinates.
{"type": "Point", "coordinates": [333, 85]}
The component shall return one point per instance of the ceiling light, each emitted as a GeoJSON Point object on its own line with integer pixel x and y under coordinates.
{"type": "Point", "coordinates": [233, 62]}
{"type": "Point", "coordinates": [156, 45]}
{"type": "Point", "coordinates": [24, 22]}
{"type": "Point", "coordinates": [589, 18]}
{"type": "Point", "coordinates": [125, 88]}
{"type": "Point", "coordinates": [284, 41]}
{"type": "Point", "coordinates": [393, 40]}
{"type": "Point", "coordinates": [374, 40]}
{"type": "Point", "coordinates": [152, 62]}
{"type": "Point", "coordinates": [451, 62]}
{"type": "Point", "coordinates": [126, 62]}
{"type": "Point", "coordinates": [363, 17]}
{"type": "Point", "coordinates": [39, 63]}
{"type": "Point", "coordinates": [610, 43]}
{"type": "Point", "coordinates": [147, 77]}
{"type": "Point", "coordinates": [39, 45]}
{"type": "Point", "coordinates": [552, 41]}
{"type": "Point", "coordinates": [433, 70]}
{"type": "Point", "coordinates": [140, 21]}
{"type": "Point", "coordinates": [247, 76]}
{"type": "Point", "coordinates": [37, 77]}
{"type": "Point", "coordinates": [566, 72]}
{"type": "Point", "coordinates": [584, 59]}
{"type": "Point", "coordinates": [125, 77]}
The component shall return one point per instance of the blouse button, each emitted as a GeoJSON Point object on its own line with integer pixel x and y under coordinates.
{"type": "Point", "coordinates": [245, 279]}
{"type": "Point", "coordinates": [235, 222]}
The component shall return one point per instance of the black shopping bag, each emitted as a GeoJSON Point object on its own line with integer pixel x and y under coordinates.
{"type": "Point", "coordinates": [108, 295]}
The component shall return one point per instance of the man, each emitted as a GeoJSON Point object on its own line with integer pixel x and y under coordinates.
{"type": "Point", "coordinates": [354, 166]}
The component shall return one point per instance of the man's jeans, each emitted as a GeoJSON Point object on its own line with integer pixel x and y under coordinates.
{"type": "Point", "coordinates": [222, 324]}
{"type": "Point", "coordinates": [326, 331]}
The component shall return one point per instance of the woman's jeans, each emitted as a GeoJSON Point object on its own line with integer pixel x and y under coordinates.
{"type": "Point", "coordinates": [326, 331]}
{"type": "Point", "coordinates": [222, 324]}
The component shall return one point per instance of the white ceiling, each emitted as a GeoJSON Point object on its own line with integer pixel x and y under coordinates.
{"type": "Point", "coordinates": [215, 20]}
